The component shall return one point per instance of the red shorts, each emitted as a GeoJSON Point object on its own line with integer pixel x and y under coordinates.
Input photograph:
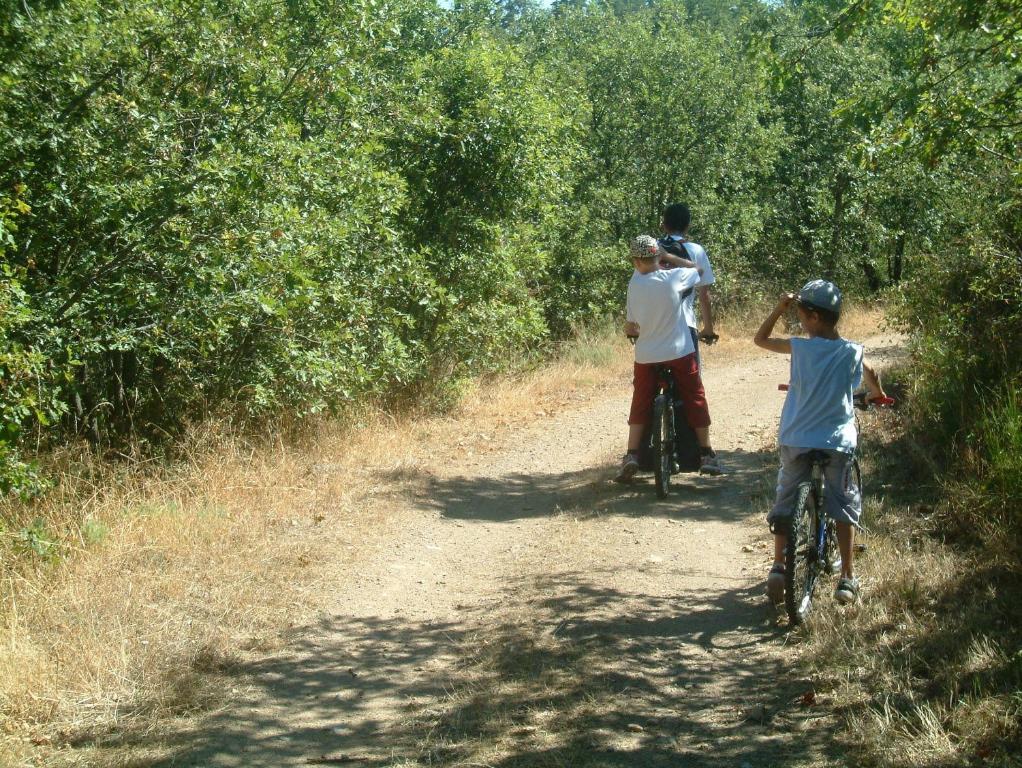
{"type": "Point", "coordinates": [688, 385]}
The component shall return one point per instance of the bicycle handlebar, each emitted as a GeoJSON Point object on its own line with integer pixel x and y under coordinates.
{"type": "Point", "coordinates": [880, 402]}
{"type": "Point", "coordinates": [860, 399]}
{"type": "Point", "coordinates": [705, 339]}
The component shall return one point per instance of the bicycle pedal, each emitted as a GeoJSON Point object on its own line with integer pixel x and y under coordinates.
{"type": "Point", "coordinates": [861, 548]}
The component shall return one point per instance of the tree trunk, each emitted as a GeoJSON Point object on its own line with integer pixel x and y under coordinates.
{"type": "Point", "coordinates": [872, 275]}
{"type": "Point", "coordinates": [837, 225]}
{"type": "Point", "coordinates": [897, 263]}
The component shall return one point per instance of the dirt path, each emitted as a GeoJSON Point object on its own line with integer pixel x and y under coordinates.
{"type": "Point", "coordinates": [523, 610]}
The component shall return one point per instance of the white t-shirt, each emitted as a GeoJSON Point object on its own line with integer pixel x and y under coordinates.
{"type": "Point", "coordinates": [818, 411]}
{"type": "Point", "coordinates": [655, 303]}
{"type": "Point", "coordinates": [697, 254]}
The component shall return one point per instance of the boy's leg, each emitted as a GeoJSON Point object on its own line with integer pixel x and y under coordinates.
{"type": "Point", "coordinates": [693, 396]}
{"type": "Point", "coordinates": [795, 469]}
{"type": "Point", "coordinates": [843, 502]}
{"type": "Point", "coordinates": [702, 436]}
{"type": "Point", "coordinates": [846, 544]}
{"type": "Point", "coordinates": [847, 590]}
{"type": "Point", "coordinates": [844, 505]}
{"type": "Point", "coordinates": [644, 384]}
{"type": "Point", "coordinates": [780, 542]}
{"type": "Point", "coordinates": [697, 411]}
{"type": "Point", "coordinates": [775, 579]}
{"type": "Point", "coordinates": [635, 437]}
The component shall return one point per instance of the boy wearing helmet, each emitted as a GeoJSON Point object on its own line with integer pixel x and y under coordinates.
{"type": "Point", "coordinates": [656, 317]}
{"type": "Point", "coordinates": [818, 415]}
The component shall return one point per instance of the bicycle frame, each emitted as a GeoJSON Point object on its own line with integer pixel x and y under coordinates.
{"type": "Point", "coordinates": [821, 520]}
{"type": "Point", "coordinates": [816, 557]}
{"type": "Point", "coordinates": [666, 385]}
{"type": "Point", "coordinates": [663, 435]}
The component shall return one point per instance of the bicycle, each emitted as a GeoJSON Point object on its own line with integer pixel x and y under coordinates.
{"type": "Point", "coordinates": [662, 435]}
{"type": "Point", "coordinates": [812, 548]}
{"type": "Point", "coordinates": [671, 446]}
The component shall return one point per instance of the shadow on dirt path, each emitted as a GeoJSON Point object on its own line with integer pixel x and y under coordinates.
{"type": "Point", "coordinates": [587, 676]}
{"type": "Point", "coordinates": [615, 630]}
{"type": "Point", "coordinates": [526, 612]}
{"type": "Point", "coordinates": [520, 495]}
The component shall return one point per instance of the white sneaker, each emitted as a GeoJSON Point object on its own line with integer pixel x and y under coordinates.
{"type": "Point", "coordinates": [629, 466]}
{"type": "Point", "coordinates": [710, 465]}
{"type": "Point", "coordinates": [775, 584]}
{"type": "Point", "coordinates": [847, 591]}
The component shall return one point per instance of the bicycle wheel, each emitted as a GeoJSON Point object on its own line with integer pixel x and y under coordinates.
{"type": "Point", "coordinates": [800, 557]}
{"type": "Point", "coordinates": [831, 550]}
{"type": "Point", "coordinates": [663, 444]}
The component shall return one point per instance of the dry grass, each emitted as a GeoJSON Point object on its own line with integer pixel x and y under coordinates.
{"type": "Point", "coordinates": [145, 580]}
{"type": "Point", "coordinates": [160, 575]}
{"type": "Point", "coordinates": [929, 665]}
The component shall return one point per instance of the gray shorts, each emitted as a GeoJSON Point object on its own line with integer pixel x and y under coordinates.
{"type": "Point", "coordinates": [842, 498]}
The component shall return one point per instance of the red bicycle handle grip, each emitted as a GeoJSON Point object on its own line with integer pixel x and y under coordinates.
{"type": "Point", "coordinates": [783, 387]}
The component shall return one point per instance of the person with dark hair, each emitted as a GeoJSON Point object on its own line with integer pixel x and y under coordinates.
{"type": "Point", "coordinates": [818, 415]}
{"type": "Point", "coordinates": [675, 223]}
{"type": "Point", "coordinates": [655, 319]}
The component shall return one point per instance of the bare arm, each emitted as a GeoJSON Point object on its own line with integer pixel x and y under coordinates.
{"type": "Point", "coordinates": [706, 309]}
{"type": "Point", "coordinates": [677, 261]}
{"type": "Point", "coordinates": [872, 380]}
{"type": "Point", "coordinates": [764, 339]}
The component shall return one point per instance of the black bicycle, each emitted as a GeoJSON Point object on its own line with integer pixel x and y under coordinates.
{"type": "Point", "coordinates": [812, 549]}
{"type": "Point", "coordinates": [662, 435]}
{"type": "Point", "coordinates": [672, 446]}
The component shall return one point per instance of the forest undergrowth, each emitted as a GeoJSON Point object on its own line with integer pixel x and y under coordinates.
{"type": "Point", "coordinates": [279, 211]}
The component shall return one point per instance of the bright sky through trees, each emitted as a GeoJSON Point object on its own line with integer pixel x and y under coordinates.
{"type": "Point", "coordinates": [450, 3]}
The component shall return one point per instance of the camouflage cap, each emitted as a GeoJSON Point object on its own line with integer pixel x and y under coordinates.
{"type": "Point", "coordinates": [643, 247]}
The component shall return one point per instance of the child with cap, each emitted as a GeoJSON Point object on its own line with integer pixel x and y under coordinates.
{"type": "Point", "coordinates": [818, 415]}
{"type": "Point", "coordinates": [656, 317]}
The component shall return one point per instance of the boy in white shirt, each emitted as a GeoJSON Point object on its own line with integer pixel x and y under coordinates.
{"type": "Point", "coordinates": [818, 415]}
{"type": "Point", "coordinates": [655, 315]}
